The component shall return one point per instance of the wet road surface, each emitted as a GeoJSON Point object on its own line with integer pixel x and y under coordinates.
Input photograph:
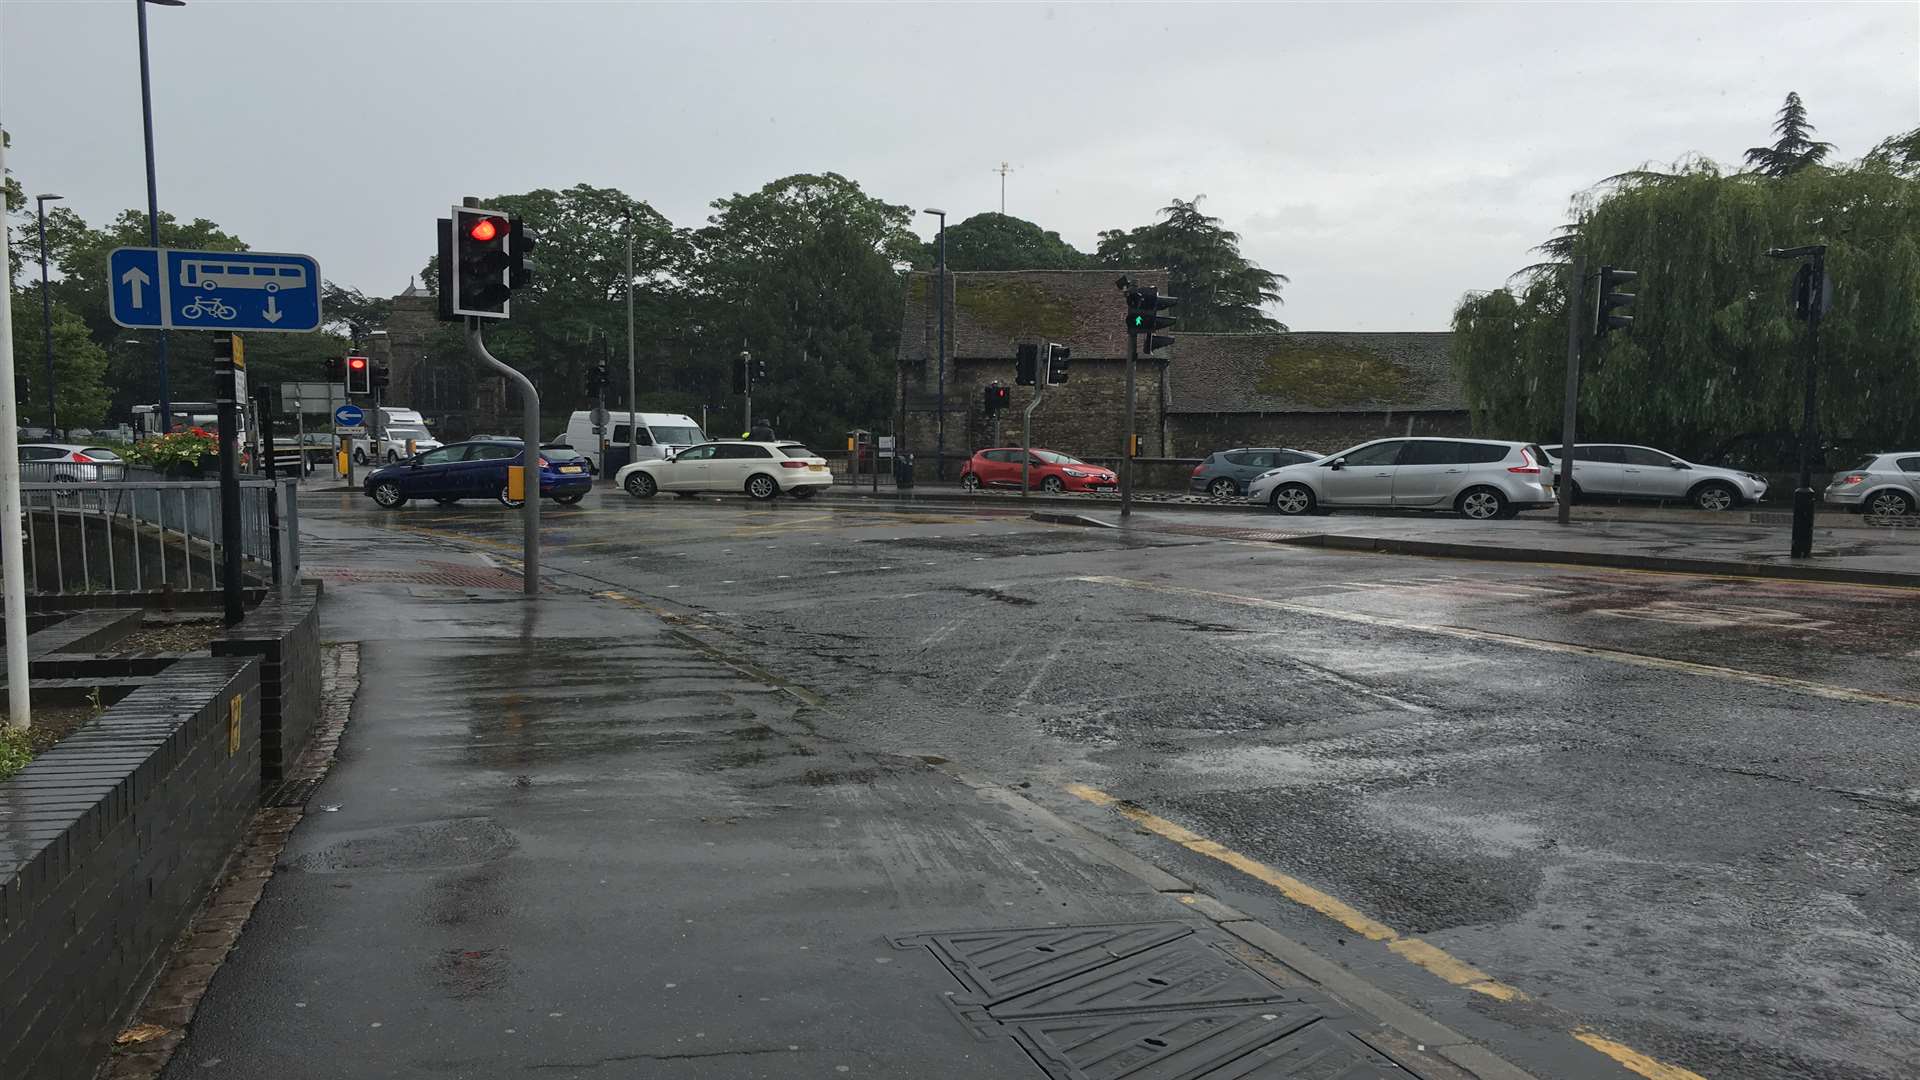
{"type": "Point", "coordinates": [1684, 811]}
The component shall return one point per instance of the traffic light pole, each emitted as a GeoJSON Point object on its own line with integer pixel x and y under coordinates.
{"type": "Point", "coordinates": [230, 539]}
{"type": "Point", "coordinates": [1569, 413]}
{"type": "Point", "coordinates": [1026, 434]}
{"type": "Point", "coordinates": [529, 458]}
{"type": "Point", "coordinates": [1126, 454]}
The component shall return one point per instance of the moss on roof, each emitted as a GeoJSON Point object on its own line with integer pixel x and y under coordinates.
{"type": "Point", "coordinates": [1013, 307]}
{"type": "Point", "coordinates": [1328, 375]}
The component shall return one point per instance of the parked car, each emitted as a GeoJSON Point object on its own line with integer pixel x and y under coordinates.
{"type": "Point", "coordinates": [1640, 472]}
{"type": "Point", "coordinates": [761, 469]}
{"type": "Point", "coordinates": [1227, 473]}
{"type": "Point", "coordinates": [1480, 478]}
{"type": "Point", "coordinates": [68, 463]}
{"type": "Point", "coordinates": [1881, 485]}
{"type": "Point", "coordinates": [475, 470]}
{"type": "Point", "coordinates": [1050, 471]}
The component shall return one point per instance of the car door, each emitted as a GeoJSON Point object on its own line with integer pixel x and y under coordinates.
{"type": "Point", "coordinates": [1364, 476]}
{"type": "Point", "coordinates": [437, 475]}
{"type": "Point", "coordinates": [1596, 469]}
{"type": "Point", "coordinates": [1427, 471]}
{"type": "Point", "coordinates": [688, 470]}
{"type": "Point", "coordinates": [737, 461]}
{"type": "Point", "coordinates": [484, 470]}
{"type": "Point", "coordinates": [1646, 473]}
{"type": "Point", "coordinates": [994, 468]}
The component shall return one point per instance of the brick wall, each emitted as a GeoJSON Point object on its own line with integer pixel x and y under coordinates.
{"type": "Point", "coordinates": [108, 842]}
{"type": "Point", "coordinates": [1200, 434]}
{"type": "Point", "coordinates": [284, 632]}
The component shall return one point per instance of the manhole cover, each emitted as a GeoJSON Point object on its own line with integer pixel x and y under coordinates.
{"type": "Point", "coordinates": [1149, 1001]}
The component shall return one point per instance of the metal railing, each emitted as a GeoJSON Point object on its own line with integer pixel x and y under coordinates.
{"type": "Point", "coordinates": [144, 533]}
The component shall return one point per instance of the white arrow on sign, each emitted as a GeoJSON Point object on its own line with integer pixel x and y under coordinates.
{"type": "Point", "coordinates": [273, 307]}
{"type": "Point", "coordinates": [136, 279]}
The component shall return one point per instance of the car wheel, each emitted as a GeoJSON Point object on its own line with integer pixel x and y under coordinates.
{"type": "Point", "coordinates": [762, 487]}
{"type": "Point", "coordinates": [393, 458]}
{"type": "Point", "coordinates": [568, 500]}
{"type": "Point", "coordinates": [359, 457]}
{"type": "Point", "coordinates": [1292, 499]}
{"type": "Point", "coordinates": [969, 482]}
{"type": "Point", "coordinates": [804, 493]}
{"type": "Point", "coordinates": [1223, 488]}
{"type": "Point", "coordinates": [1715, 496]}
{"type": "Point", "coordinates": [641, 486]}
{"type": "Point", "coordinates": [1889, 504]}
{"type": "Point", "coordinates": [388, 494]}
{"type": "Point", "coordinates": [505, 500]}
{"type": "Point", "coordinates": [446, 500]}
{"type": "Point", "coordinates": [1482, 503]}
{"type": "Point", "coordinates": [1053, 485]}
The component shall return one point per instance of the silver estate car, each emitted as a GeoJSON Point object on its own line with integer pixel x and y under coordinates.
{"type": "Point", "coordinates": [1481, 478]}
{"type": "Point", "coordinates": [1619, 471]}
{"type": "Point", "coordinates": [1882, 485]}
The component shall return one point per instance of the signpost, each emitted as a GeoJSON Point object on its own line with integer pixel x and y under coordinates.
{"type": "Point", "coordinates": [258, 291]}
{"type": "Point", "coordinates": [349, 416]}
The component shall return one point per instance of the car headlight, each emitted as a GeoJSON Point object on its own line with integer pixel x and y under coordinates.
{"type": "Point", "coordinates": [1076, 472]}
{"type": "Point", "coordinates": [1266, 474]}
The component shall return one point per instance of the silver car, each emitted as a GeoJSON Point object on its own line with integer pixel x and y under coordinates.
{"type": "Point", "coordinates": [47, 463]}
{"type": "Point", "coordinates": [1620, 471]}
{"type": "Point", "coordinates": [1481, 478]}
{"type": "Point", "coordinates": [1882, 485]}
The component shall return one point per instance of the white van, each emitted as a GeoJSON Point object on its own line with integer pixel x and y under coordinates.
{"type": "Point", "coordinates": [398, 425]}
{"type": "Point", "coordinates": [659, 433]}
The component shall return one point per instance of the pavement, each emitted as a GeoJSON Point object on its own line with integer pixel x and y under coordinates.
{"type": "Point", "coordinates": [568, 837]}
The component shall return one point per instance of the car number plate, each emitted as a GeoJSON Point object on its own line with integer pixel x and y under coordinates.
{"type": "Point", "coordinates": [569, 468]}
{"type": "Point", "coordinates": [817, 468]}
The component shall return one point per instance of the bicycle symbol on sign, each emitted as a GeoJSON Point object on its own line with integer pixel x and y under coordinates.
{"type": "Point", "coordinates": [208, 305]}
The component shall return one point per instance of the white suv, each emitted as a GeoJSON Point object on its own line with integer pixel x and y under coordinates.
{"type": "Point", "coordinates": [1481, 478]}
{"type": "Point", "coordinates": [1641, 472]}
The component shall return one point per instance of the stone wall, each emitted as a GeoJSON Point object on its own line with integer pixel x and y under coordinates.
{"type": "Point", "coordinates": [1196, 435]}
{"type": "Point", "coordinates": [1084, 417]}
{"type": "Point", "coordinates": [108, 844]}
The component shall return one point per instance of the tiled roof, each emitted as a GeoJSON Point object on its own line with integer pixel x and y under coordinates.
{"type": "Point", "coordinates": [991, 311]}
{"type": "Point", "coordinates": [1312, 372]}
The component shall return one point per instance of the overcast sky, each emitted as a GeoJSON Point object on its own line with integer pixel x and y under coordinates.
{"type": "Point", "coordinates": [1386, 157]}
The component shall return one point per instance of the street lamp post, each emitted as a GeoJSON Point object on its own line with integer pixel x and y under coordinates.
{"type": "Point", "coordinates": [1812, 293]}
{"type": "Point", "coordinates": [153, 201]}
{"type": "Point", "coordinates": [940, 388]}
{"type": "Point", "coordinates": [46, 313]}
{"type": "Point", "coordinates": [633, 416]}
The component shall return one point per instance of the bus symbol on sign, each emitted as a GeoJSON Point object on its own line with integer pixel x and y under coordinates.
{"type": "Point", "coordinates": [160, 288]}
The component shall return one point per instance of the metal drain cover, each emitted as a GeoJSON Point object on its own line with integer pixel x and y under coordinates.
{"type": "Point", "coordinates": [1149, 1001]}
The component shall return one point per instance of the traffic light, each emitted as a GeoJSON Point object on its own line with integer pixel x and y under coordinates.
{"type": "Point", "coordinates": [1143, 317]}
{"type": "Point", "coordinates": [759, 369]}
{"type": "Point", "coordinates": [1026, 362]}
{"type": "Point", "coordinates": [1611, 307]}
{"type": "Point", "coordinates": [475, 261]}
{"type": "Point", "coordinates": [742, 372]}
{"type": "Point", "coordinates": [997, 398]}
{"type": "Point", "coordinates": [1058, 357]}
{"type": "Point", "coordinates": [359, 375]}
{"type": "Point", "coordinates": [229, 367]}
{"type": "Point", "coordinates": [597, 380]}
{"type": "Point", "coordinates": [378, 375]}
{"type": "Point", "coordinates": [1812, 290]}
{"type": "Point", "coordinates": [336, 369]}
{"type": "Point", "coordinates": [520, 244]}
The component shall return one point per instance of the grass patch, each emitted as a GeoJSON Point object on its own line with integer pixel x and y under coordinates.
{"type": "Point", "coordinates": [16, 749]}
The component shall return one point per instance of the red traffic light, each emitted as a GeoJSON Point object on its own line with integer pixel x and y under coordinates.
{"type": "Point", "coordinates": [356, 362]}
{"type": "Point", "coordinates": [484, 230]}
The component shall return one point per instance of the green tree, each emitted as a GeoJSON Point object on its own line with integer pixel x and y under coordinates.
{"type": "Point", "coordinates": [1714, 350]}
{"type": "Point", "coordinates": [79, 366]}
{"type": "Point", "coordinates": [1218, 287]}
{"type": "Point", "coordinates": [999, 242]}
{"type": "Point", "coordinates": [1794, 148]}
{"type": "Point", "coordinates": [801, 273]}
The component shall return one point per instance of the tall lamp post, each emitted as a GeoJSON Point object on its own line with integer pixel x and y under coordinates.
{"type": "Point", "coordinates": [1812, 296]}
{"type": "Point", "coordinates": [46, 314]}
{"type": "Point", "coordinates": [940, 388]}
{"type": "Point", "coordinates": [633, 416]}
{"type": "Point", "coordinates": [153, 201]}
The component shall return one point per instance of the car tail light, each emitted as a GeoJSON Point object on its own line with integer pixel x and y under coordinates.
{"type": "Point", "coordinates": [1200, 468]}
{"type": "Point", "coordinates": [1850, 478]}
{"type": "Point", "coordinates": [545, 464]}
{"type": "Point", "coordinates": [1527, 465]}
{"type": "Point", "coordinates": [82, 458]}
{"type": "Point", "coordinates": [793, 464]}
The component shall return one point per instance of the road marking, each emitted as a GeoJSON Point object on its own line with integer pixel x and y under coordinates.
{"type": "Point", "coordinates": [1634, 1059]}
{"type": "Point", "coordinates": [1045, 665]}
{"type": "Point", "coordinates": [1657, 663]}
{"type": "Point", "coordinates": [1415, 950]}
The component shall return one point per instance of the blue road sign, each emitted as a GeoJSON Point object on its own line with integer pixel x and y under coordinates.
{"type": "Point", "coordinates": [255, 291]}
{"type": "Point", "coordinates": [349, 416]}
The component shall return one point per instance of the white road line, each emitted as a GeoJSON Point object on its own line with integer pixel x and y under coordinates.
{"type": "Point", "coordinates": [1657, 663]}
{"type": "Point", "coordinates": [1034, 683]}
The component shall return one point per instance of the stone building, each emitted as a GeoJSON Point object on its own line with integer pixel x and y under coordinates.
{"type": "Point", "coordinates": [1207, 392]}
{"type": "Point", "coordinates": [429, 373]}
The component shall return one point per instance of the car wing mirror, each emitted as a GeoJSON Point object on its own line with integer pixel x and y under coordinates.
{"type": "Point", "coordinates": [1337, 463]}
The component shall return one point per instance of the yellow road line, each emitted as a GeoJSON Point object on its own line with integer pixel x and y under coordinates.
{"type": "Point", "coordinates": [1633, 1059]}
{"type": "Point", "coordinates": [1658, 663]}
{"type": "Point", "coordinates": [1415, 950]}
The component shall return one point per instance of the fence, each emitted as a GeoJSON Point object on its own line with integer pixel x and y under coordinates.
{"type": "Point", "coordinates": [143, 533]}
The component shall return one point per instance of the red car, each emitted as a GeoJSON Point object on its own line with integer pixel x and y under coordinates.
{"type": "Point", "coordinates": [1050, 471]}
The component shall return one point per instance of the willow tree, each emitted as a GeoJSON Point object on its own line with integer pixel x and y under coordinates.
{"type": "Point", "coordinates": [1714, 350]}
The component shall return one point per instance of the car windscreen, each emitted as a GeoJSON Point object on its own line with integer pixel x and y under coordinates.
{"type": "Point", "coordinates": [1052, 458]}
{"type": "Point", "coordinates": [676, 436]}
{"type": "Point", "coordinates": [798, 452]}
{"type": "Point", "coordinates": [414, 433]}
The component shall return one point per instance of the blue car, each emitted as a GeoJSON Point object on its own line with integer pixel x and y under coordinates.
{"type": "Point", "coordinates": [476, 470]}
